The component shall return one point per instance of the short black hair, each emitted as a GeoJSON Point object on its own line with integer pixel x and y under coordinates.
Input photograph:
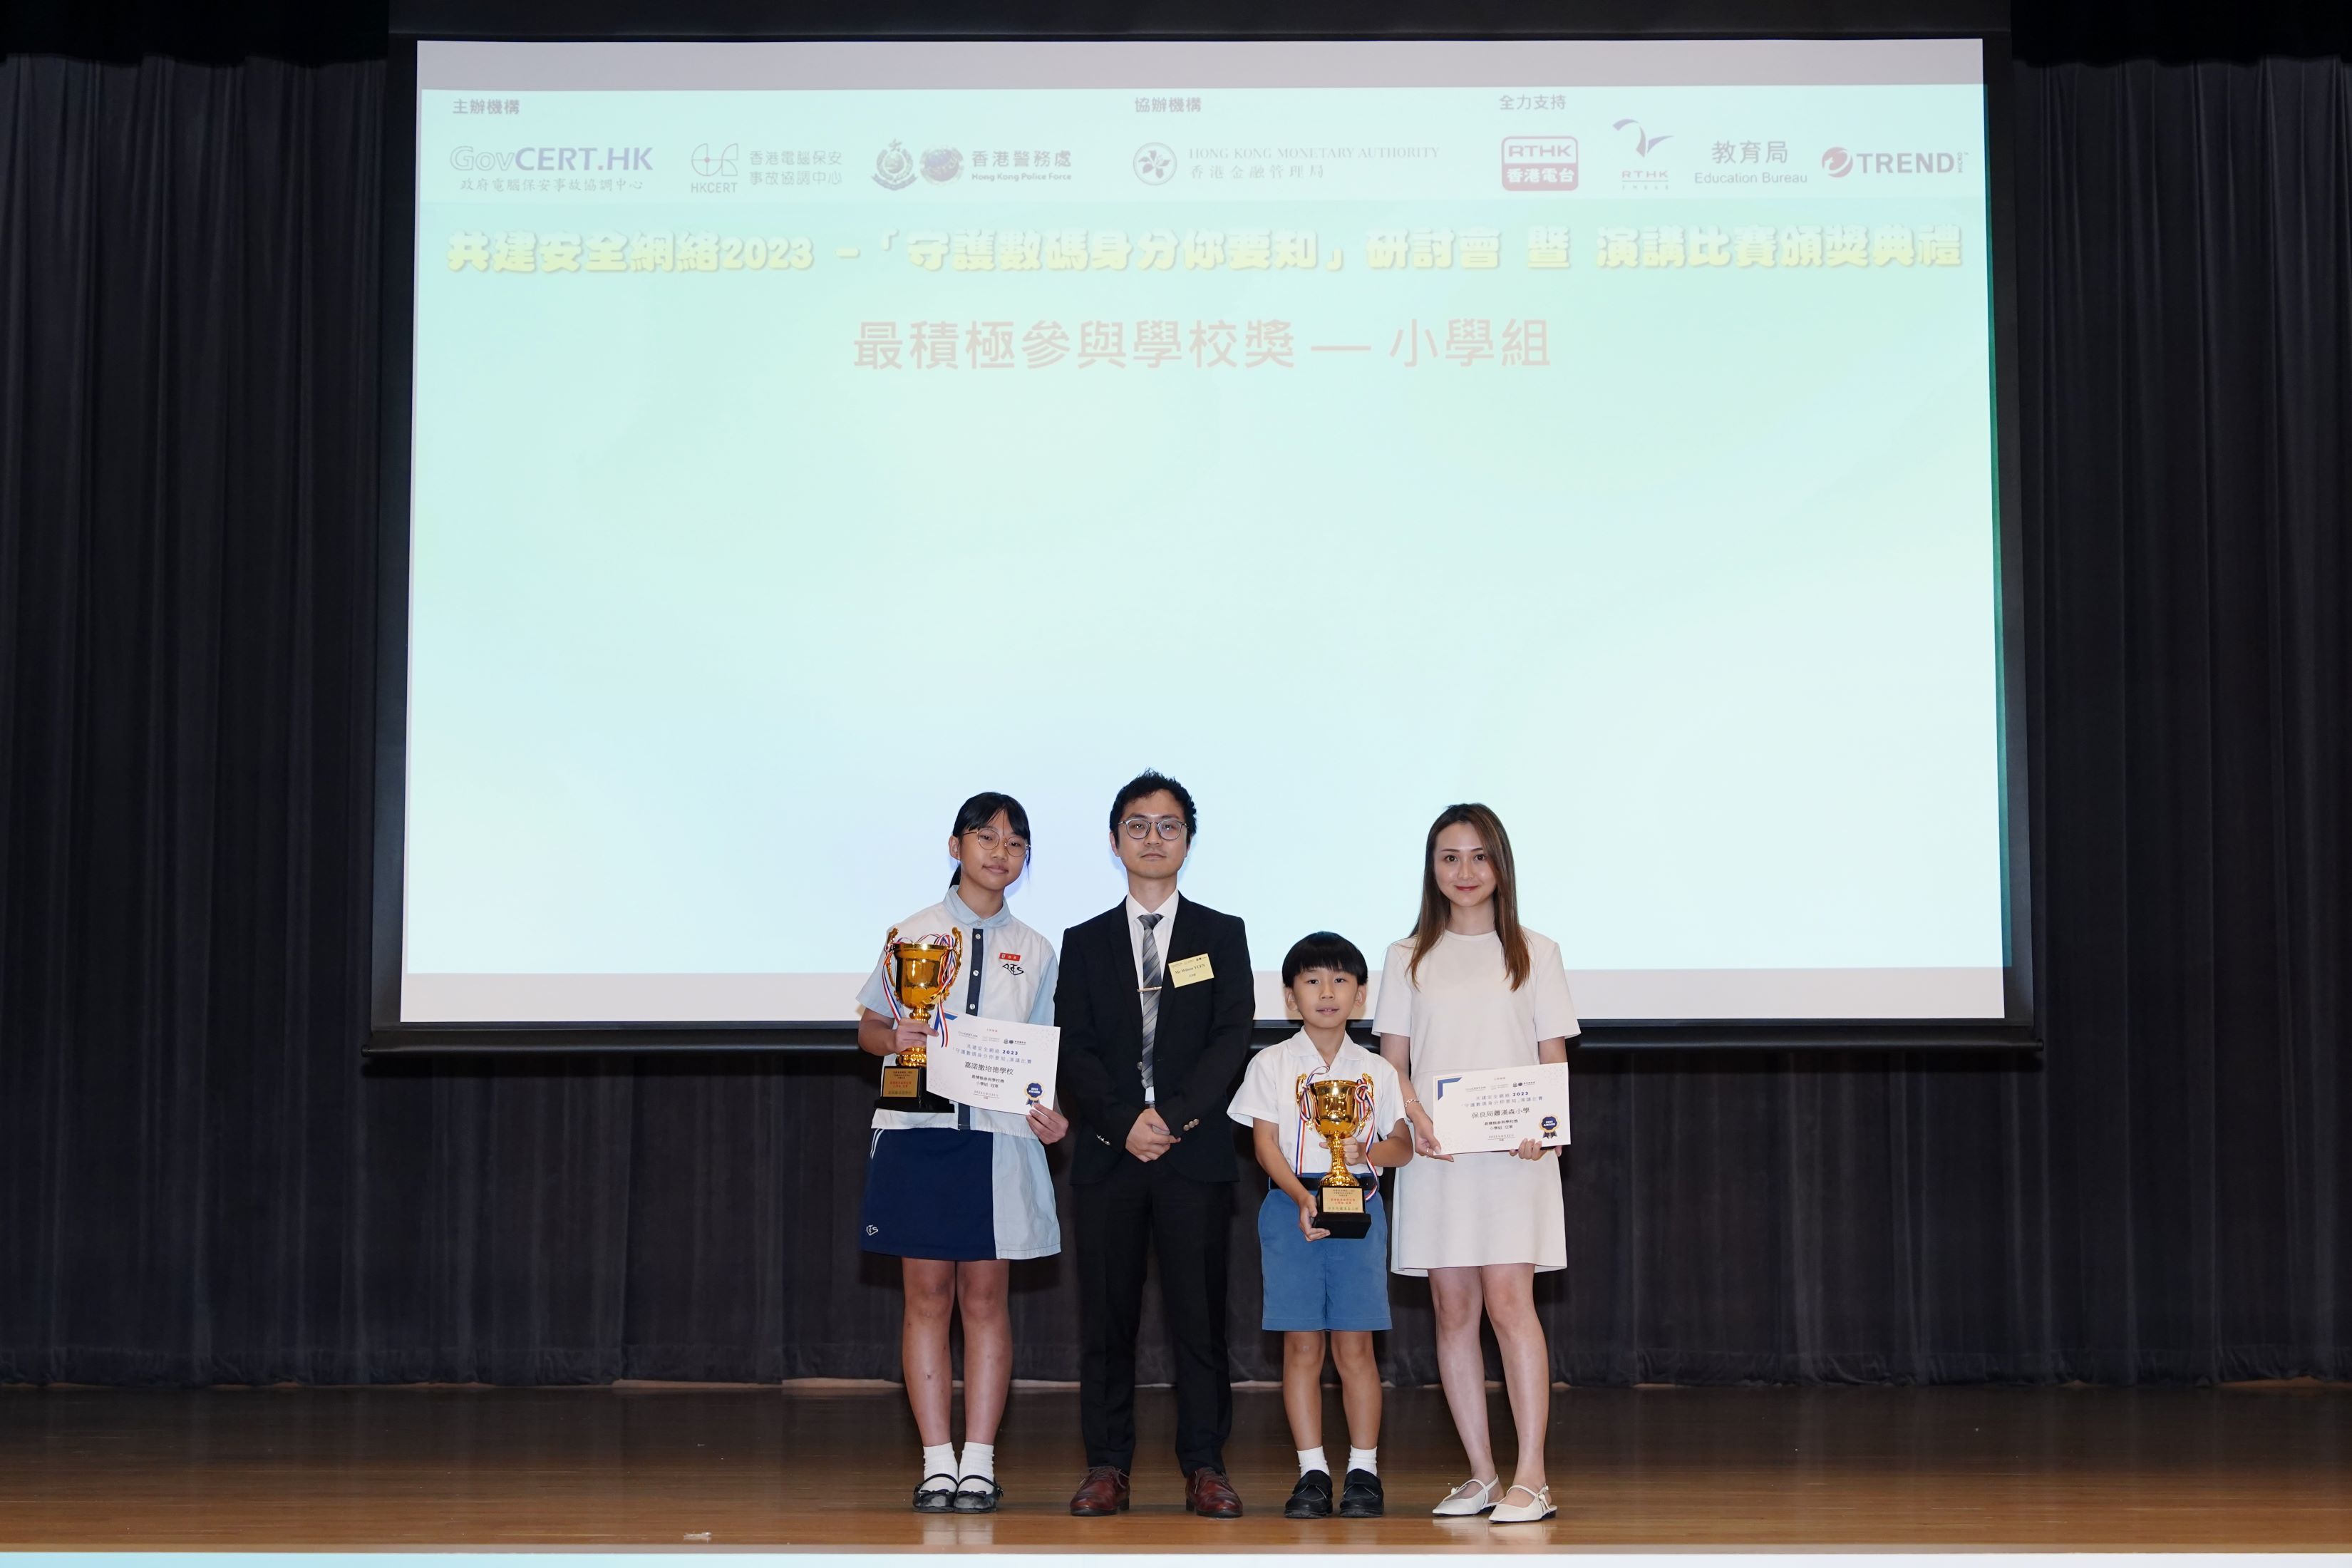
{"type": "Point", "coordinates": [1148, 782]}
{"type": "Point", "coordinates": [1324, 950]}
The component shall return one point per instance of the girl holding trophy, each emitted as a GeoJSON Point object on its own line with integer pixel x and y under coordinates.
{"type": "Point", "coordinates": [1472, 989]}
{"type": "Point", "coordinates": [956, 1193]}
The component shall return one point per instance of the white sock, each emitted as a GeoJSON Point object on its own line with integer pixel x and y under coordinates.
{"type": "Point", "coordinates": [1365, 1460]}
{"type": "Point", "coordinates": [938, 1460]}
{"type": "Point", "coordinates": [978, 1459]}
{"type": "Point", "coordinates": [1313, 1460]}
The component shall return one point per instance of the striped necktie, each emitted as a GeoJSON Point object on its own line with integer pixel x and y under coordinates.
{"type": "Point", "coordinates": [1151, 996]}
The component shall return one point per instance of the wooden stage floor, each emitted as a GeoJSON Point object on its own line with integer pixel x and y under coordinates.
{"type": "Point", "coordinates": [2267, 1466]}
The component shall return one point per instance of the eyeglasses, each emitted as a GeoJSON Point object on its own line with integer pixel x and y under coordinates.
{"type": "Point", "coordinates": [1140, 828]}
{"type": "Point", "coordinates": [992, 839]}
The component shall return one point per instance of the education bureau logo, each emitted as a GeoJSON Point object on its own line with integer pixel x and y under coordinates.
{"type": "Point", "coordinates": [942, 165]}
{"type": "Point", "coordinates": [894, 167]}
{"type": "Point", "coordinates": [1155, 163]}
{"type": "Point", "coordinates": [1539, 163]}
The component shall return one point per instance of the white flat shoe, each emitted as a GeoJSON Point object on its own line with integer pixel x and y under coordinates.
{"type": "Point", "coordinates": [1538, 1505]}
{"type": "Point", "coordinates": [1471, 1497]}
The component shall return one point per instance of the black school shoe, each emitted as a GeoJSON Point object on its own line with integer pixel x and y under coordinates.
{"type": "Point", "coordinates": [936, 1495]}
{"type": "Point", "coordinates": [982, 1498]}
{"type": "Point", "coordinates": [1311, 1497]}
{"type": "Point", "coordinates": [1362, 1498]}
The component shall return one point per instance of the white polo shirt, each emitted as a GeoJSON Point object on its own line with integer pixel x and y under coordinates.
{"type": "Point", "coordinates": [1017, 969]}
{"type": "Point", "coordinates": [1279, 1075]}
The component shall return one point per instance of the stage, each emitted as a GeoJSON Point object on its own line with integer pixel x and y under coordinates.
{"type": "Point", "coordinates": [819, 1466]}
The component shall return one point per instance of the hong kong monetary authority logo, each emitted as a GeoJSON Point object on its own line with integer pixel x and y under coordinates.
{"type": "Point", "coordinates": [894, 167]}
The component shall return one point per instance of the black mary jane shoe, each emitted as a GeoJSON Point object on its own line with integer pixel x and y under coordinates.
{"type": "Point", "coordinates": [1311, 1497]}
{"type": "Point", "coordinates": [936, 1499]}
{"type": "Point", "coordinates": [970, 1501]}
{"type": "Point", "coordinates": [1362, 1498]}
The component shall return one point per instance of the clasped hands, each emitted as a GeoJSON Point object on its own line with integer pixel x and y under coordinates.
{"type": "Point", "coordinates": [1149, 1137]}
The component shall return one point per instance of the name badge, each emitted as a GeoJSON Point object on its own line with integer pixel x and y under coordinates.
{"type": "Point", "coordinates": [1185, 971]}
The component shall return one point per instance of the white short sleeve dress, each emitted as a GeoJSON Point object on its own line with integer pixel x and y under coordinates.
{"type": "Point", "coordinates": [1461, 1013]}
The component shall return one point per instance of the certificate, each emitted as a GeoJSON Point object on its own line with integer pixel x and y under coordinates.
{"type": "Point", "coordinates": [1498, 1109]}
{"type": "Point", "coordinates": [992, 1065]}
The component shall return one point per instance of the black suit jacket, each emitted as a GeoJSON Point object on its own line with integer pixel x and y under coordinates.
{"type": "Point", "coordinates": [1197, 1055]}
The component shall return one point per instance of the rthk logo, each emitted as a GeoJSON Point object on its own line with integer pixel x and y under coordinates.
{"type": "Point", "coordinates": [1539, 162]}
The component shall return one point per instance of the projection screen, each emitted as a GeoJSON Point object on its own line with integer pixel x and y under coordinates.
{"type": "Point", "coordinates": [805, 436]}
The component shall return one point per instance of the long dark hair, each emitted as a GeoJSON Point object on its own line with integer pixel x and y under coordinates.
{"type": "Point", "coordinates": [979, 812]}
{"type": "Point", "coordinates": [1434, 904]}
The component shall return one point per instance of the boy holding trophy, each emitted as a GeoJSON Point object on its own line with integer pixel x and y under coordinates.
{"type": "Point", "coordinates": [1327, 1115]}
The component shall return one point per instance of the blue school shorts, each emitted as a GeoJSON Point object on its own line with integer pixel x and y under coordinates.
{"type": "Point", "coordinates": [1326, 1284]}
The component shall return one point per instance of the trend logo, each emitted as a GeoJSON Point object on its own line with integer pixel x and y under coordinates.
{"type": "Point", "coordinates": [1838, 162]}
{"type": "Point", "coordinates": [1643, 140]}
{"type": "Point", "coordinates": [722, 162]}
{"type": "Point", "coordinates": [1155, 163]}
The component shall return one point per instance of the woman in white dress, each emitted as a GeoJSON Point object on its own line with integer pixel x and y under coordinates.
{"type": "Point", "coordinates": [1471, 989]}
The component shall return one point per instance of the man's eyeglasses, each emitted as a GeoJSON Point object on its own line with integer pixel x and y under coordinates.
{"type": "Point", "coordinates": [1140, 828]}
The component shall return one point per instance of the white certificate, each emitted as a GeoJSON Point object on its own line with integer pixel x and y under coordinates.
{"type": "Point", "coordinates": [992, 1065]}
{"type": "Point", "coordinates": [1499, 1109]}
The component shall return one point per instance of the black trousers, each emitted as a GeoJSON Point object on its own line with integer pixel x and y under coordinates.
{"type": "Point", "coordinates": [1139, 1209]}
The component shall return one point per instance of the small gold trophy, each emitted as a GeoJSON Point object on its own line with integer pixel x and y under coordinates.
{"type": "Point", "coordinates": [1337, 1106]}
{"type": "Point", "coordinates": [919, 974]}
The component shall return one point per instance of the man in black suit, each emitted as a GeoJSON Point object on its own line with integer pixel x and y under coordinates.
{"type": "Point", "coordinates": [1155, 1004]}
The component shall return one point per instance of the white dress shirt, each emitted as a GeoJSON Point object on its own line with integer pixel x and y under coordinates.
{"type": "Point", "coordinates": [1159, 933]}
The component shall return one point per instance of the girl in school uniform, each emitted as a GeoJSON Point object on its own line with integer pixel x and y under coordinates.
{"type": "Point", "coordinates": [1472, 989]}
{"type": "Point", "coordinates": [956, 1195]}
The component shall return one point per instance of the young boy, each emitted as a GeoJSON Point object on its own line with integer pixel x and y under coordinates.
{"type": "Point", "coordinates": [1317, 1283]}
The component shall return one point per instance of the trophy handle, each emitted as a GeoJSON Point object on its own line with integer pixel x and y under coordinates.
{"type": "Point", "coordinates": [955, 969]}
{"type": "Point", "coordinates": [889, 979]}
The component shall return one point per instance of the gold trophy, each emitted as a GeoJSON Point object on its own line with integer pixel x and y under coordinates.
{"type": "Point", "coordinates": [1337, 1106]}
{"type": "Point", "coordinates": [919, 974]}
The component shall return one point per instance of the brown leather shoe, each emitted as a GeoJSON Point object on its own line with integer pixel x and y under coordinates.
{"type": "Point", "coordinates": [1209, 1493]}
{"type": "Point", "coordinates": [1104, 1491]}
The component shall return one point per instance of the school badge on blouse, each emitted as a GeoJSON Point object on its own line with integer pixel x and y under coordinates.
{"type": "Point", "coordinates": [917, 975]}
{"type": "Point", "coordinates": [1337, 1107]}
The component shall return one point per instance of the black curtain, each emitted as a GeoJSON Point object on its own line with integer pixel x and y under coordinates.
{"type": "Point", "coordinates": [200, 1182]}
